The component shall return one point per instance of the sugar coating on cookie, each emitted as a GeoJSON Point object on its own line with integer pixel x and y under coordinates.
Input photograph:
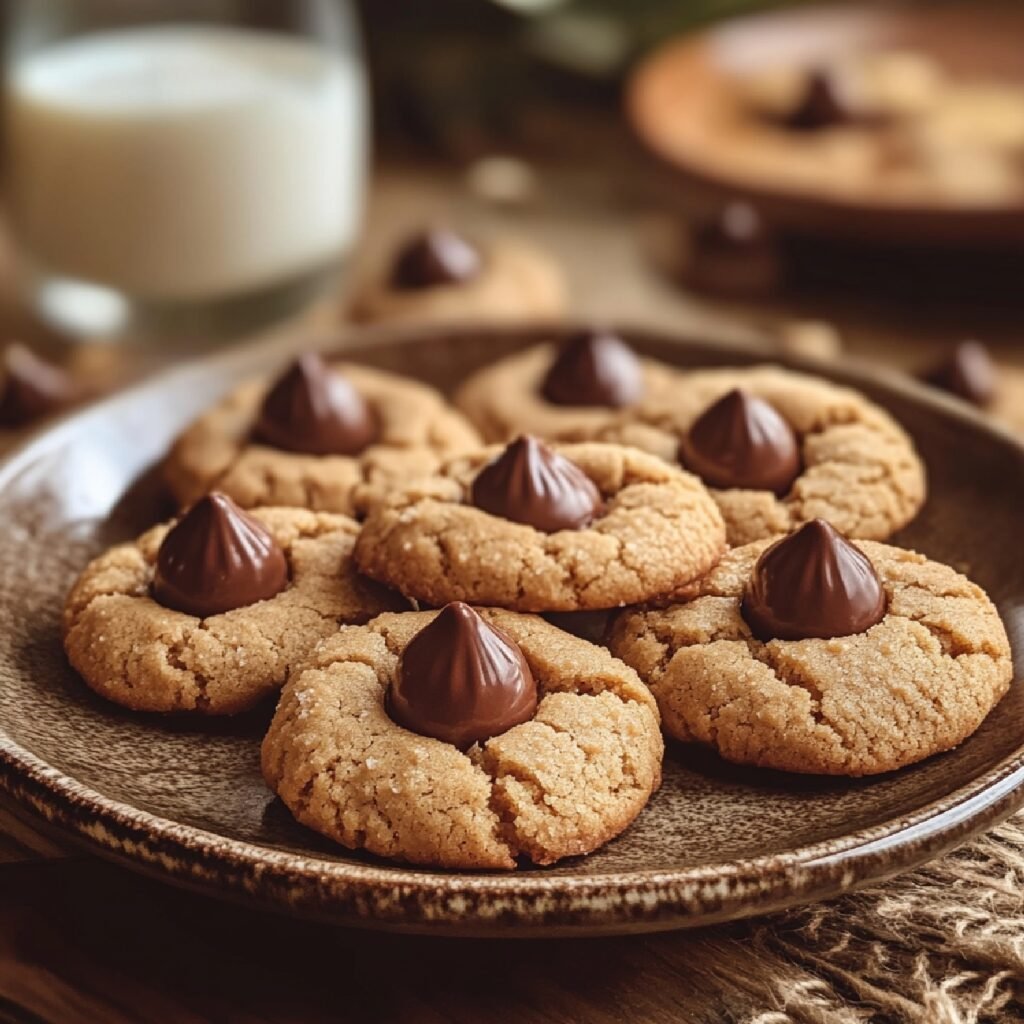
{"type": "Point", "coordinates": [505, 399]}
{"type": "Point", "coordinates": [515, 281]}
{"type": "Point", "coordinates": [137, 653]}
{"type": "Point", "coordinates": [658, 531]}
{"type": "Point", "coordinates": [415, 428]}
{"type": "Point", "coordinates": [559, 785]}
{"type": "Point", "coordinates": [919, 682]}
{"type": "Point", "coordinates": [860, 469]}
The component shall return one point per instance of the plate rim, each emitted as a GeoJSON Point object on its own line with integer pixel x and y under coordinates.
{"type": "Point", "coordinates": [358, 893]}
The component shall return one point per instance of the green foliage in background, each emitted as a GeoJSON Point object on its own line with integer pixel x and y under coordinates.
{"type": "Point", "coordinates": [621, 29]}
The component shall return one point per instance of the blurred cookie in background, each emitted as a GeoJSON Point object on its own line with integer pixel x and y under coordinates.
{"type": "Point", "coordinates": [895, 123]}
{"type": "Point", "coordinates": [440, 275]}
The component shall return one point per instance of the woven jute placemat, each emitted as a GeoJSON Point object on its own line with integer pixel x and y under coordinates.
{"type": "Point", "coordinates": [940, 945]}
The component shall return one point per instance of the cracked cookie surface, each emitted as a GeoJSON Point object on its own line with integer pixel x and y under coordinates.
{"type": "Point", "coordinates": [917, 683]}
{"type": "Point", "coordinates": [415, 430]}
{"type": "Point", "coordinates": [505, 399]}
{"type": "Point", "coordinates": [659, 531]}
{"type": "Point", "coordinates": [137, 653]}
{"type": "Point", "coordinates": [516, 281]}
{"type": "Point", "coordinates": [561, 784]}
{"type": "Point", "coordinates": [860, 469]}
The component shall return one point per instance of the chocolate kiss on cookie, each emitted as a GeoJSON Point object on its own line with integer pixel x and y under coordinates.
{"type": "Point", "coordinates": [741, 441]}
{"type": "Point", "coordinates": [315, 410]}
{"type": "Point", "coordinates": [529, 483]}
{"type": "Point", "coordinates": [813, 583]}
{"type": "Point", "coordinates": [594, 368]}
{"type": "Point", "coordinates": [967, 372]}
{"type": "Point", "coordinates": [734, 252]}
{"type": "Point", "coordinates": [461, 680]}
{"type": "Point", "coordinates": [436, 257]}
{"type": "Point", "coordinates": [217, 558]}
{"type": "Point", "coordinates": [31, 387]}
{"type": "Point", "coordinates": [821, 104]}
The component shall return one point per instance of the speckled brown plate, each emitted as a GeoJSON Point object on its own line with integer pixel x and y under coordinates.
{"type": "Point", "coordinates": [676, 100]}
{"type": "Point", "coordinates": [184, 801]}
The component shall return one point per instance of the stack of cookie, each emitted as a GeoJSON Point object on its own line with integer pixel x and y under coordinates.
{"type": "Point", "coordinates": [351, 538]}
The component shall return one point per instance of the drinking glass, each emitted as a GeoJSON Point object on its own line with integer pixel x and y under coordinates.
{"type": "Point", "coordinates": [182, 165]}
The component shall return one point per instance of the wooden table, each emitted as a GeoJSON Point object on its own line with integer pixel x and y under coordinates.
{"type": "Point", "coordinates": [82, 941]}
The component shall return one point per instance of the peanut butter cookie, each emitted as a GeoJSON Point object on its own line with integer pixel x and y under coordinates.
{"type": "Point", "coordinates": [441, 277]}
{"type": "Point", "coordinates": [833, 454]}
{"type": "Point", "coordinates": [571, 775]}
{"type": "Point", "coordinates": [562, 393]}
{"type": "Point", "coordinates": [536, 529]}
{"type": "Point", "coordinates": [330, 428]}
{"type": "Point", "coordinates": [887, 128]}
{"type": "Point", "coordinates": [913, 674]}
{"type": "Point", "coordinates": [285, 575]}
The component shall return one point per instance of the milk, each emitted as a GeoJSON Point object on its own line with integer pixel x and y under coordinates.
{"type": "Point", "coordinates": [185, 163]}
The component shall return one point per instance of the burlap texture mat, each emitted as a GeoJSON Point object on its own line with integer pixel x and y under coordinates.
{"type": "Point", "coordinates": [940, 945]}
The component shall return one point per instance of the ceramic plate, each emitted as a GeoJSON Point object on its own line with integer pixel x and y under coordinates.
{"type": "Point", "coordinates": [677, 102]}
{"type": "Point", "coordinates": [184, 801]}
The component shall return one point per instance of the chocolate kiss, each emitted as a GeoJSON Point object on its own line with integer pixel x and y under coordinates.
{"type": "Point", "coordinates": [461, 680]}
{"type": "Point", "coordinates": [594, 368]}
{"type": "Point", "coordinates": [32, 388]}
{"type": "Point", "coordinates": [821, 105]}
{"type": "Point", "coordinates": [734, 252]}
{"type": "Point", "coordinates": [435, 257]}
{"type": "Point", "coordinates": [968, 372]}
{"type": "Point", "coordinates": [529, 483]}
{"type": "Point", "coordinates": [741, 441]}
{"type": "Point", "coordinates": [315, 410]}
{"type": "Point", "coordinates": [813, 583]}
{"type": "Point", "coordinates": [216, 558]}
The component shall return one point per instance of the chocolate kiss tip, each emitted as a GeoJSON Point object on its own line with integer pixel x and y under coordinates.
{"type": "Point", "coordinates": [741, 441]}
{"type": "Point", "coordinates": [532, 484]}
{"type": "Point", "coordinates": [315, 410]}
{"type": "Point", "coordinates": [967, 372]}
{"type": "Point", "coordinates": [821, 105]}
{"type": "Point", "coordinates": [813, 583]}
{"type": "Point", "coordinates": [216, 558]}
{"type": "Point", "coordinates": [461, 680]}
{"type": "Point", "coordinates": [435, 257]}
{"type": "Point", "coordinates": [594, 368]}
{"type": "Point", "coordinates": [31, 387]}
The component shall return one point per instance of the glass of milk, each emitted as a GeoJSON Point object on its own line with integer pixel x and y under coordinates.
{"type": "Point", "coordinates": [182, 165]}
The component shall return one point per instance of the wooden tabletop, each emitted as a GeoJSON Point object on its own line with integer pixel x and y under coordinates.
{"type": "Point", "coordinates": [83, 941]}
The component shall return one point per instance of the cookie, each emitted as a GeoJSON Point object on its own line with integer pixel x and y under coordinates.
{"type": "Point", "coordinates": [859, 470]}
{"type": "Point", "coordinates": [642, 528]}
{"type": "Point", "coordinates": [917, 682]}
{"type": "Point", "coordinates": [886, 127]}
{"type": "Point", "coordinates": [145, 656]}
{"type": "Point", "coordinates": [559, 784]}
{"type": "Point", "coordinates": [440, 277]}
{"type": "Point", "coordinates": [508, 397]}
{"type": "Point", "coordinates": [414, 428]}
